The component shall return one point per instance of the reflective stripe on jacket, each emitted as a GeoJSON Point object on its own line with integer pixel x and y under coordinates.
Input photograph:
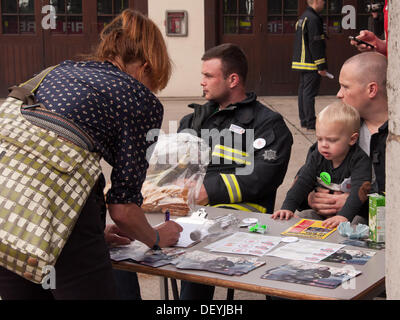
{"type": "Point", "coordinates": [309, 45]}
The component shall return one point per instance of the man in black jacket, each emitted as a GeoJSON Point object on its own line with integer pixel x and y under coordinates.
{"type": "Point", "coordinates": [310, 59]}
{"type": "Point", "coordinates": [363, 86]}
{"type": "Point", "coordinates": [250, 143]}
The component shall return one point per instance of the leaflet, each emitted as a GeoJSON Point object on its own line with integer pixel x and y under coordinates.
{"type": "Point", "coordinates": [306, 250]}
{"type": "Point", "coordinates": [309, 228]}
{"type": "Point", "coordinates": [245, 243]}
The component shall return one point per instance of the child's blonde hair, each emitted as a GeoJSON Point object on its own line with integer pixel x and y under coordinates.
{"type": "Point", "coordinates": [342, 113]}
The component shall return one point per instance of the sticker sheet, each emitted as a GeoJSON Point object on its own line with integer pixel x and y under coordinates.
{"type": "Point", "coordinates": [306, 250]}
{"type": "Point", "coordinates": [245, 243]}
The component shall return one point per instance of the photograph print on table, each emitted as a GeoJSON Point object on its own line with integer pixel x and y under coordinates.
{"type": "Point", "coordinates": [312, 274]}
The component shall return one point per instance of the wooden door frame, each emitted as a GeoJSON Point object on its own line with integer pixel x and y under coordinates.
{"type": "Point", "coordinates": [140, 5]}
{"type": "Point", "coordinates": [18, 65]}
{"type": "Point", "coordinates": [211, 23]}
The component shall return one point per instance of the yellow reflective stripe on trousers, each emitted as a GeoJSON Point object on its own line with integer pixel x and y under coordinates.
{"type": "Point", "coordinates": [232, 186]}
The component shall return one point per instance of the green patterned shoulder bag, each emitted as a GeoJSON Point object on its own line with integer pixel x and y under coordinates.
{"type": "Point", "coordinates": [47, 171]}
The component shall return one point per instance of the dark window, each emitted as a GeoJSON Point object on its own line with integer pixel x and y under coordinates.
{"type": "Point", "coordinates": [332, 15]}
{"type": "Point", "coordinates": [238, 16]}
{"type": "Point", "coordinates": [18, 16]}
{"type": "Point", "coordinates": [282, 16]}
{"type": "Point", "coordinates": [108, 10]}
{"type": "Point", "coordinates": [69, 16]}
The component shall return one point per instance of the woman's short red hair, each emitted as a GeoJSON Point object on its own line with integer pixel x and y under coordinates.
{"type": "Point", "coordinates": [133, 37]}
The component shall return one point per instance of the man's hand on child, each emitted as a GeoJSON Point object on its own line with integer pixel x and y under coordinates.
{"type": "Point", "coordinates": [282, 214]}
{"type": "Point", "coordinates": [327, 204]}
{"type": "Point", "coordinates": [334, 221]}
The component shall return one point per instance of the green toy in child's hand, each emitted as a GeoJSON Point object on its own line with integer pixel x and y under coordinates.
{"type": "Point", "coordinates": [325, 177]}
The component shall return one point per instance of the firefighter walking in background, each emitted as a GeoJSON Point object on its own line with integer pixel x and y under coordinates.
{"type": "Point", "coordinates": [309, 58]}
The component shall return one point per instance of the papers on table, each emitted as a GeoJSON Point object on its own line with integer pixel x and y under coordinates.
{"type": "Point", "coordinates": [346, 256]}
{"type": "Point", "coordinates": [140, 253]}
{"type": "Point", "coordinates": [245, 243]}
{"type": "Point", "coordinates": [309, 228]}
{"type": "Point", "coordinates": [312, 274]}
{"type": "Point", "coordinates": [189, 225]}
{"type": "Point", "coordinates": [198, 260]}
{"type": "Point", "coordinates": [184, 239]}
{"type": "Point", "coordinates": [136, 251]}
{"type": "Point", "coordinates": [306, 250]}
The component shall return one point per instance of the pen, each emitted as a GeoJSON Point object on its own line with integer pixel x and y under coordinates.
{"type": "Point", "coordinates": [167, 215]}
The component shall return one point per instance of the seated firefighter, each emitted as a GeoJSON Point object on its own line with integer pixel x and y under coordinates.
{"type": "Point", "coordinates": [250, 143]}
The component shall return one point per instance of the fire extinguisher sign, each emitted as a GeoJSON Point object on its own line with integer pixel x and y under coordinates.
{"type": "Point", "coordinates": [176, 23]}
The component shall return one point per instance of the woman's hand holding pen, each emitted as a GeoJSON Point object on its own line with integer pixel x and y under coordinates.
{"type": "Point", "coordinates": [169, 233]}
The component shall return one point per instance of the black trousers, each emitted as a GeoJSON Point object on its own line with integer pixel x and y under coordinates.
{"type": "Point", "coordinates": [83, 269]}
{"type": "Point", "coordinates": [308, 90]}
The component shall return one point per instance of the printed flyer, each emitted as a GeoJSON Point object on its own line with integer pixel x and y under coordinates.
{"type": "Point", "coordinates": [309, 228]}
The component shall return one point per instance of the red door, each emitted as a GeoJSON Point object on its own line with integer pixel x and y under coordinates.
{"type": "Point", "coordinates": [30, 42]}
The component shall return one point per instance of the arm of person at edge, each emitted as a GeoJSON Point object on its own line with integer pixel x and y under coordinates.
{"type": "Point", "coordinates": [370, 37]}
{"type": "Point", "coordinates": [131, 223]}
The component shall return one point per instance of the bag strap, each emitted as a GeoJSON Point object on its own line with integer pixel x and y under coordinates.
{"type": "Point", "coordinates": [39, 116]}
{"type": "Point", "coordinates": [25, 91]}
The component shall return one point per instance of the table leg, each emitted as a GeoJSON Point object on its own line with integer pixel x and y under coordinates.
{"type": "Point", "coordinates": [164, 288]}
{"type": "Point", "coordinates": [174, 289]}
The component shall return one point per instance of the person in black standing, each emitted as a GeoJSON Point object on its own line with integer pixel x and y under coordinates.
{"type": "Point", "coordinates": [310, 59]}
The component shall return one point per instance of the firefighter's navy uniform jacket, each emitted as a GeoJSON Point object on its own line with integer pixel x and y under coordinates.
{"type": "Point", "coordinates": [250, 147]}
{"type": "Point", "coordinates": [309, 45]}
